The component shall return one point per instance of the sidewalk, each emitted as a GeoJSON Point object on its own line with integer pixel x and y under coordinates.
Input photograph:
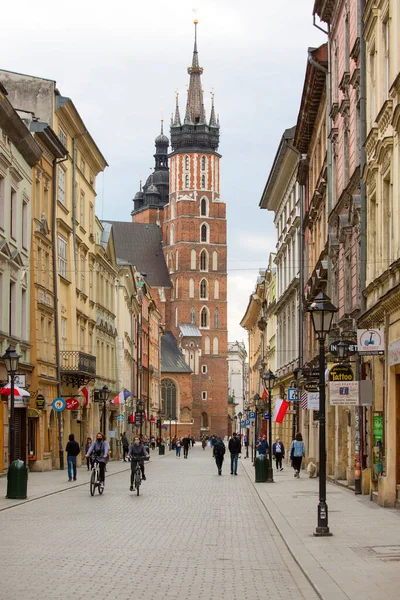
{"type": "Point", "coordinates": [53, 482]}
{"type": "Point", "coordinates": [362, 558]}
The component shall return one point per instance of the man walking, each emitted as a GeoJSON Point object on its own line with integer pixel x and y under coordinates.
{"type": "Point", "coordinates": [125, 446]}
{"type": "Point", "coordinates": [278, 450]}
{"type": "Point", "coordinates": [234, 447]}
{"type": "Point", "coordinates": [72, 451]}
{"type": "Point", "coordinates": [219, 452]}
{"type": "Point", "coordinates": [186, 444]}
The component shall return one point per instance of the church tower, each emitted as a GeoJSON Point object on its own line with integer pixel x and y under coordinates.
{"type": "Point", "coordinates": [195, 248]}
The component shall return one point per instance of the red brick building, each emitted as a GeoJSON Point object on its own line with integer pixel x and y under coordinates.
{"type": "Point", "coordinates": [182, 198]}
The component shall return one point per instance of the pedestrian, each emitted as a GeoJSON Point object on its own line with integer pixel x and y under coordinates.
{"type": "Point", "coordinates": [192, 440]}
{"type": "Point", "coordinates": [125, 446]}
{"type": "Point", "coordinates": [72, 449]}
{"type": "Point", "coordinates": [213, 439]}
{"type": "Point", "coordinates": [234, 449]}
{"type": "Point", "coordinates": [88, 460]}
{"type": "Point", "coordinates": [262, 445]}
{"type": "Point", "coordinates": [178, 447]}
{"type": "Point", "coordinates": [278, 450]}
{"type": "Point", "coordinates": [186, 444]}
{"type": "Point", "coordinates": [219, 452]}
{"type": "Point", "coordinates": [297, 451]}
{"type": "Point", "coordinates": [153, 443]}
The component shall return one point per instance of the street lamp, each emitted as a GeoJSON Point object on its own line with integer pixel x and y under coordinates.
{"type": "Point", "coordinates": [269, 378]}
{"type": "Point", "coordinates": [240, 415]}
{"type": "Point", "coordinates": [256, 400]}
{"type": "Point", "coordinates": [322, 311]}
{"type": "Point", "coordinates": [103, 397]}
{"type": "Point", "coordinates": [342, 350]}
{"type": "Point", "coordinates": [235, 417]}
{"type": "Point", "coordinates": [140, 409]}
{"type": "Point", "coordinates": [170, 431]}
{"type": "Point", "coordinates": [246, 410]}
{"type": "Point", "coordinates": [11, 361]}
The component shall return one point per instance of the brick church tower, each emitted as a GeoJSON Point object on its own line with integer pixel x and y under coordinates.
{"type": "Point", "coordinates": [195, 249]}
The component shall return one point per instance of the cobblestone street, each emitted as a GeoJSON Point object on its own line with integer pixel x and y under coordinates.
{"type": "Point", "coordinates": [190, 534]}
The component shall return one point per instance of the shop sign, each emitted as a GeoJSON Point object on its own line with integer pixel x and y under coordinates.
{"type": "Point", "coordinates": [351, 347]}
{"type": "Point", "coordinates": [58, 404]}
{"type": "Point", "coordinates": [19, 380]}
{"type": "Point", "coordinates": [313, 401]}
{"type": "Point", "coordinates": [312, 386]}
{"type": "Point", "coordinates": [72, 404]}
{"type": "Point", "coordinates": [343, 393]}
{"type": "Point", "coordinates": [40, 402]}
{"type": "Point", "coordinates": [341, 373]}
{"type": "Point", "coordinates": [378, 429]}
{"type": "Point", "coordinates": [394, 353]}
{"type": "Point", "coordinates": [370, 341]}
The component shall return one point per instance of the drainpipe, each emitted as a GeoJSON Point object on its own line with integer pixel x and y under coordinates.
{"type": "Point", "coordinates": [56, 315]}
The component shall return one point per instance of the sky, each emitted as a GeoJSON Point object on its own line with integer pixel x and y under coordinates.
{"type": "Point", "coordinates": [121, 64]}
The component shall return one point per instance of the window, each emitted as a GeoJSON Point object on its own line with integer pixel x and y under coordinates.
{"type": "Point", "coordinates": [176, 260]}
{"type": "Point", "coordinates": [203, 207]}
{"type": "Point", "coordinates": [203, 163]}
{"type": "Point", "coordinates": [191, 288]}
{"type": "Point", "coordinates": [203, 181]}
{"type": "Point", "coordinates": [172, 235]}
{"type": "Point", "coordinates": [171, 262]}
{"type": "Point", "coordinates": [82, 339]}
{"type": "Point", "coordinates": [215, 346]}
{"type": "Point", "coordinates": [203, 289]}
{"type": "Point", "coordinates": [2, 202]}
{"type": "Point", "coordinates": [386, 41]}
{"type": "Point", "coordinates": [186, 163]}
{"type": "Point", "coordinates": [168, 398]}
{"type": "Point", "coordinates": [82, 210]}
{"type": "Point", "coordinates": [215, 261]}
{"type": "Point", "coordinates": [13, 214]}
{"type": "Point", "coordinates": [12, 314]}
{"type": "Point", "coordinates": [91, 219]}
{"type": "Point", "coordinates": [176, 288]}
{"type": "Point", "coordinates": [83, 273]}
{"type": "Point", "coordinates": [62, 256]}
{"type": "Point", "coordinates": [204, 260]}
{"type": "Point", "coordinates": [204, 321]}
{"type": "Point", "coordinates": [25, 225]}
{"type": "Point", "coordinates": [207, 345]}
{"type": "Point", "coordinates": [204, 369]}
{"type": "Point", "coordinates": [193, 259]}
{"type": "Point", "coordinates": [186, 181]}
{"type": "Point", "coordinates": [216, 318]}
{"type": "Point", "coordinates": [173, 208]}
{"type": "Point", "coordinates": [63, 334]}
{"type": "Point", "coordinates": [91, 282]}
{"type": "Point", "coordinates": [204, 397]}
{"type": "Point", "coordinates": [204, 233]}
{"type": "Point", "coordinates": [61, 185]}
{"type": "Point", "coordinates": [62, 136]}
{"type": "Point", "coordinates": [216, 289]}
{"type": "Point", "coordinates": [192, 316]}
{"type": "Point", "coordinates": [24, 314]}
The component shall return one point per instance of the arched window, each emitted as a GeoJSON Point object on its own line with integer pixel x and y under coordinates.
{"type": "Point", "coordinates": [192, 315]}
{"type": "Point", "coordinates": [204, 233]}
{"type": "Point", "coordinates": [172, 235]}
{"type": "Point", "coordinates": [176, 317]}
{"type": "Point", "coordinates": [173, 209]}
{"type": "Point", "coordinates": [204, 289]}
{"type": "Point", "coordinates": [215, 346]}
{"type": "Point", "coordinates": [203, 181]}
{"type": "Point", "coordinates": [193, 260]}
{"type": "Point", "coordinates": [186, 163]}
{"type": "Point", "coordinates": [215, 261]}
{"type": "Point", "coordinates": [191, 288]}
{"type": "Point", "coordinates": [216, 289]}
{"type": "Point", "coordinates": [204, 319]}
{"type": "Point", "coordinates": [168, 397]}
{"type": "Point", "coordinates": [216, 318]}
{"type": "Point", "coordinates": [187, 181]}
{"type": "Point", "coordinates": [204, 260]}
{"type": "Point", "coordinates": [207, 345]}
{"type": "Point", "coordinates": [203, 163]}
{"type": "Point", "coordinates": [176, 288]}
{"type": "Point", "coordinates": [176, 260]}
{"type": "Point", "coordinates": [204, 421]}
{"type": "Point", "coordinates": [171, 262]}
{"type": "Point", "coordinates": [203, 207]}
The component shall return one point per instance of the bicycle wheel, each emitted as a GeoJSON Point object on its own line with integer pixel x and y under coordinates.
{"type": "Point", "coordinates": [100, 488]}
{"type": "Point", "coordinates": [93, 482]}
{"type": "Point", "coordinates": [137, 482]}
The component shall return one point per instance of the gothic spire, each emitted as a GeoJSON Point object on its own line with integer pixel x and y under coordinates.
{"type": "Point", "coordinates": [177, 119]}
{"type": "Point", "coordinates": [194, 106]}
{"type": "Point", "coordinates": [213, 121]}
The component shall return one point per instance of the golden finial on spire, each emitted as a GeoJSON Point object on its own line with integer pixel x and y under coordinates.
{"type": "Point", "coordinates": [195, 20]}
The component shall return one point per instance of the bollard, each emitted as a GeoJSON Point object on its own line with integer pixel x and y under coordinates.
{"type": "Point", "coordinates": [17, 480]}
{"type": "Point", "coordinates": [161, 450]}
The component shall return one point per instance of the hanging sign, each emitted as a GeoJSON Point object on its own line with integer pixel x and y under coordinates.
{"type": "Point", "coordinates": [313, 401]}
{"type": "Point", "coordinates": [40, 402]}
{"type": "Point", "coordinates": [59, 404]}
{"type": "Point", "coordinates": [370, 341]}
{"type": "Point", "coordinates": [341, 373]}
{"type": "Point", "coordinates": [72, 404]}
{"type": "Point", "coordinates": [252, 415]}
{"type": "Point", "coordinates": [292, 394]}
{"type": "Point", "coordinates": [351, 347]}
{"type": "Point", "coordinates": [343, 393]}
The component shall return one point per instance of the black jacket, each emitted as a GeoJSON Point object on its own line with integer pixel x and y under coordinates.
{"type": "Point", "coordinates": [234, 445]}
{"type": "Point", "coordinates": [219, 449]}
{"type": "Point", "coordinates": [72, 448]}
{"type": "Point", "coordinates": [282, 449]}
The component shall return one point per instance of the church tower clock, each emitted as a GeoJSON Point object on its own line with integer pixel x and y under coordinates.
{"type": "Point", "coordinates": [195, 248]}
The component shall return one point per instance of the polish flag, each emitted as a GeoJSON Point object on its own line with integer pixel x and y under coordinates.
{"type": "Point", "coordinates": [264, 395]}
{"type": "Point", "coordinates": [281, 407]}
{"type": "Point", "coordinates": [86, 392]}
{"type": "Point", "coordinates": [121, 397]}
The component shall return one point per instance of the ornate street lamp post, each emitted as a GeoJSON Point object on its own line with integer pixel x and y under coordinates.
{"type": "Point", "coordinates": [103, 397]}
{"type": "Point", "coordinates": [240, 415]}
{"type": "Point", "coordinates": [322, 311]}
{"type": "Point", "coordinates": [11, 361]}
{"type": "Point", "coordinates": [256, 399]}
{"type": "Point", "coordinates": [269, 380]}
{"type": "Point", "coordinates": [140, 409]}
{"type": "Point", "coordinates": [246, 410]}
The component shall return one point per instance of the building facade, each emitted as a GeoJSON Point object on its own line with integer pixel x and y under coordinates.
{"type": "Point", "coordinates": [237, 368]}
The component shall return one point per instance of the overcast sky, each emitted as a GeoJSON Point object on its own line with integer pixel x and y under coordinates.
{"type": "Point", "coordinates": [121, 62]}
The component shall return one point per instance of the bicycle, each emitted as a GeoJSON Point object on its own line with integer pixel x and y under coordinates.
{"type": "Point", "coordinates": [95, 478]}
{"type": "Point", "coordinates": [137, 473]}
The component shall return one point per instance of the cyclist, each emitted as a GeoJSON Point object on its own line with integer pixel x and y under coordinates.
{"type": "Point", "coordinates": [99, 450]}
{"type": "Point", "coordinates": [137, 451]}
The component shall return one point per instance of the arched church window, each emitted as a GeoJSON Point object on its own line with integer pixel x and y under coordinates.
{"type": "Point", "coordinates": [204, 289]}
{"type": "Point", "coordinates": [193, 259]}
{"type": "Point", "coordinates": [171, 262]}
{"type": "Point", "coordinates": [173, 208]}
{"type": "Point", "coordinates": [203, 163]}
{"type": "Point", "coordinates": [186, 163]}
{"type": "Point", "coordinates": [203, 207]}
{"type": "Point", "coordinates": [187, 181]}
{"type": "Point", "coordinates": [192, 316]}
{"type": "Point", "coordinates": [215, 346]}
{"type": "Point", "coordinates": [215, 261]}
{"type": "Point", "coordinates": [204, 233]}
{"type": "Point", "coordinates": [169, 397]}
{"type": "Point", "coordinates": [191, 288]}
{"type": "Point", "coordinates": [204, 260]}
{"type": "Point", "coordinates": [172, 235]}
{"type": "Point", "coordinates": [204, 321]}
{"type": "Point", "coordinates": [216, 318]}
{"type": "Point", "coordinates": [207, 345]}
{"type": "Point", "coordinates": [203, 181]}
{"type": "Point", "coordinates": [216, 289]}
{"type": "Point", "coordinates": [176, 260]}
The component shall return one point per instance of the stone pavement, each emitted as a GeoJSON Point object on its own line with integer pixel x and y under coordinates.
{"type": "Point", "coordinates": [362, 558]}
{"type": "Point", "coordinates": [189, 535]}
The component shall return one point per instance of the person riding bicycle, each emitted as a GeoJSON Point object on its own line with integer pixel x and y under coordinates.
{"type": "Point", "coordinates": [137, 452]}
{"type": "Point", "coordinates": [99, 450]}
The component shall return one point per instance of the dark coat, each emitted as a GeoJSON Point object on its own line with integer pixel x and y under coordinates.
{"type": "Point", "coordinates": [72, 448]}
{"type": "Point", "coordinates": [234, 445]}
{"type": "Point", "coordinates": [282, 448]}
{"type": "Point", "coordinates": [219, 449]}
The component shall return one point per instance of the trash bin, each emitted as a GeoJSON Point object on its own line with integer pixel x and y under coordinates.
{"type": "Point", "coordinates": [161, 450]}
{"type": "Point", "coordinates": [17, 480]}
{"type": "Point", "coordinates": [261, 468]}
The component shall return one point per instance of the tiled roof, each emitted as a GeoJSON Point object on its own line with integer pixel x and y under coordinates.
{"type": "Point", "coordinates": [189, 330]}
{"type": "Point", "coordinates": [172, 360]}
{"type": "Point", "coordinates": [140, 245]}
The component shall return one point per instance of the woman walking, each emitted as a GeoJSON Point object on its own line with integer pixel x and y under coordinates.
{"type": "Point", "coordinates": [297, 451]}
{"type": "Point", "coordinates": [178, 447]}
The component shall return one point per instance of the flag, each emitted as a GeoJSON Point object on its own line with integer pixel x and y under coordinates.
{"type": "Point", "coordinates": [304, 400]}
{"type": "Point", "coordinates": [86, 392]}
{"type": "Point", "coordinates": [281, 407]}
{"type": "Point", "coordinates": [264, 395]}
{"type": "Point", "coordinates": [121, 397]}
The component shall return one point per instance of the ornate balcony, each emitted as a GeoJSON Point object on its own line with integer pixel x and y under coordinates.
{"type": "Point", "coordinates": [77, 368]}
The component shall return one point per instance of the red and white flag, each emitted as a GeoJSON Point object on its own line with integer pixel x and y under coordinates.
{"type": "Point", "coordinates": [86, 392]}
{"type": "Point", "coordinates": [281, 407]}
{"type": "Point", "coordinates": [264, 395]}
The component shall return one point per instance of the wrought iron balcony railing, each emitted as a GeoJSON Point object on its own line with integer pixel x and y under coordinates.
{"type": "Point", "coordinates": [75, 361]}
